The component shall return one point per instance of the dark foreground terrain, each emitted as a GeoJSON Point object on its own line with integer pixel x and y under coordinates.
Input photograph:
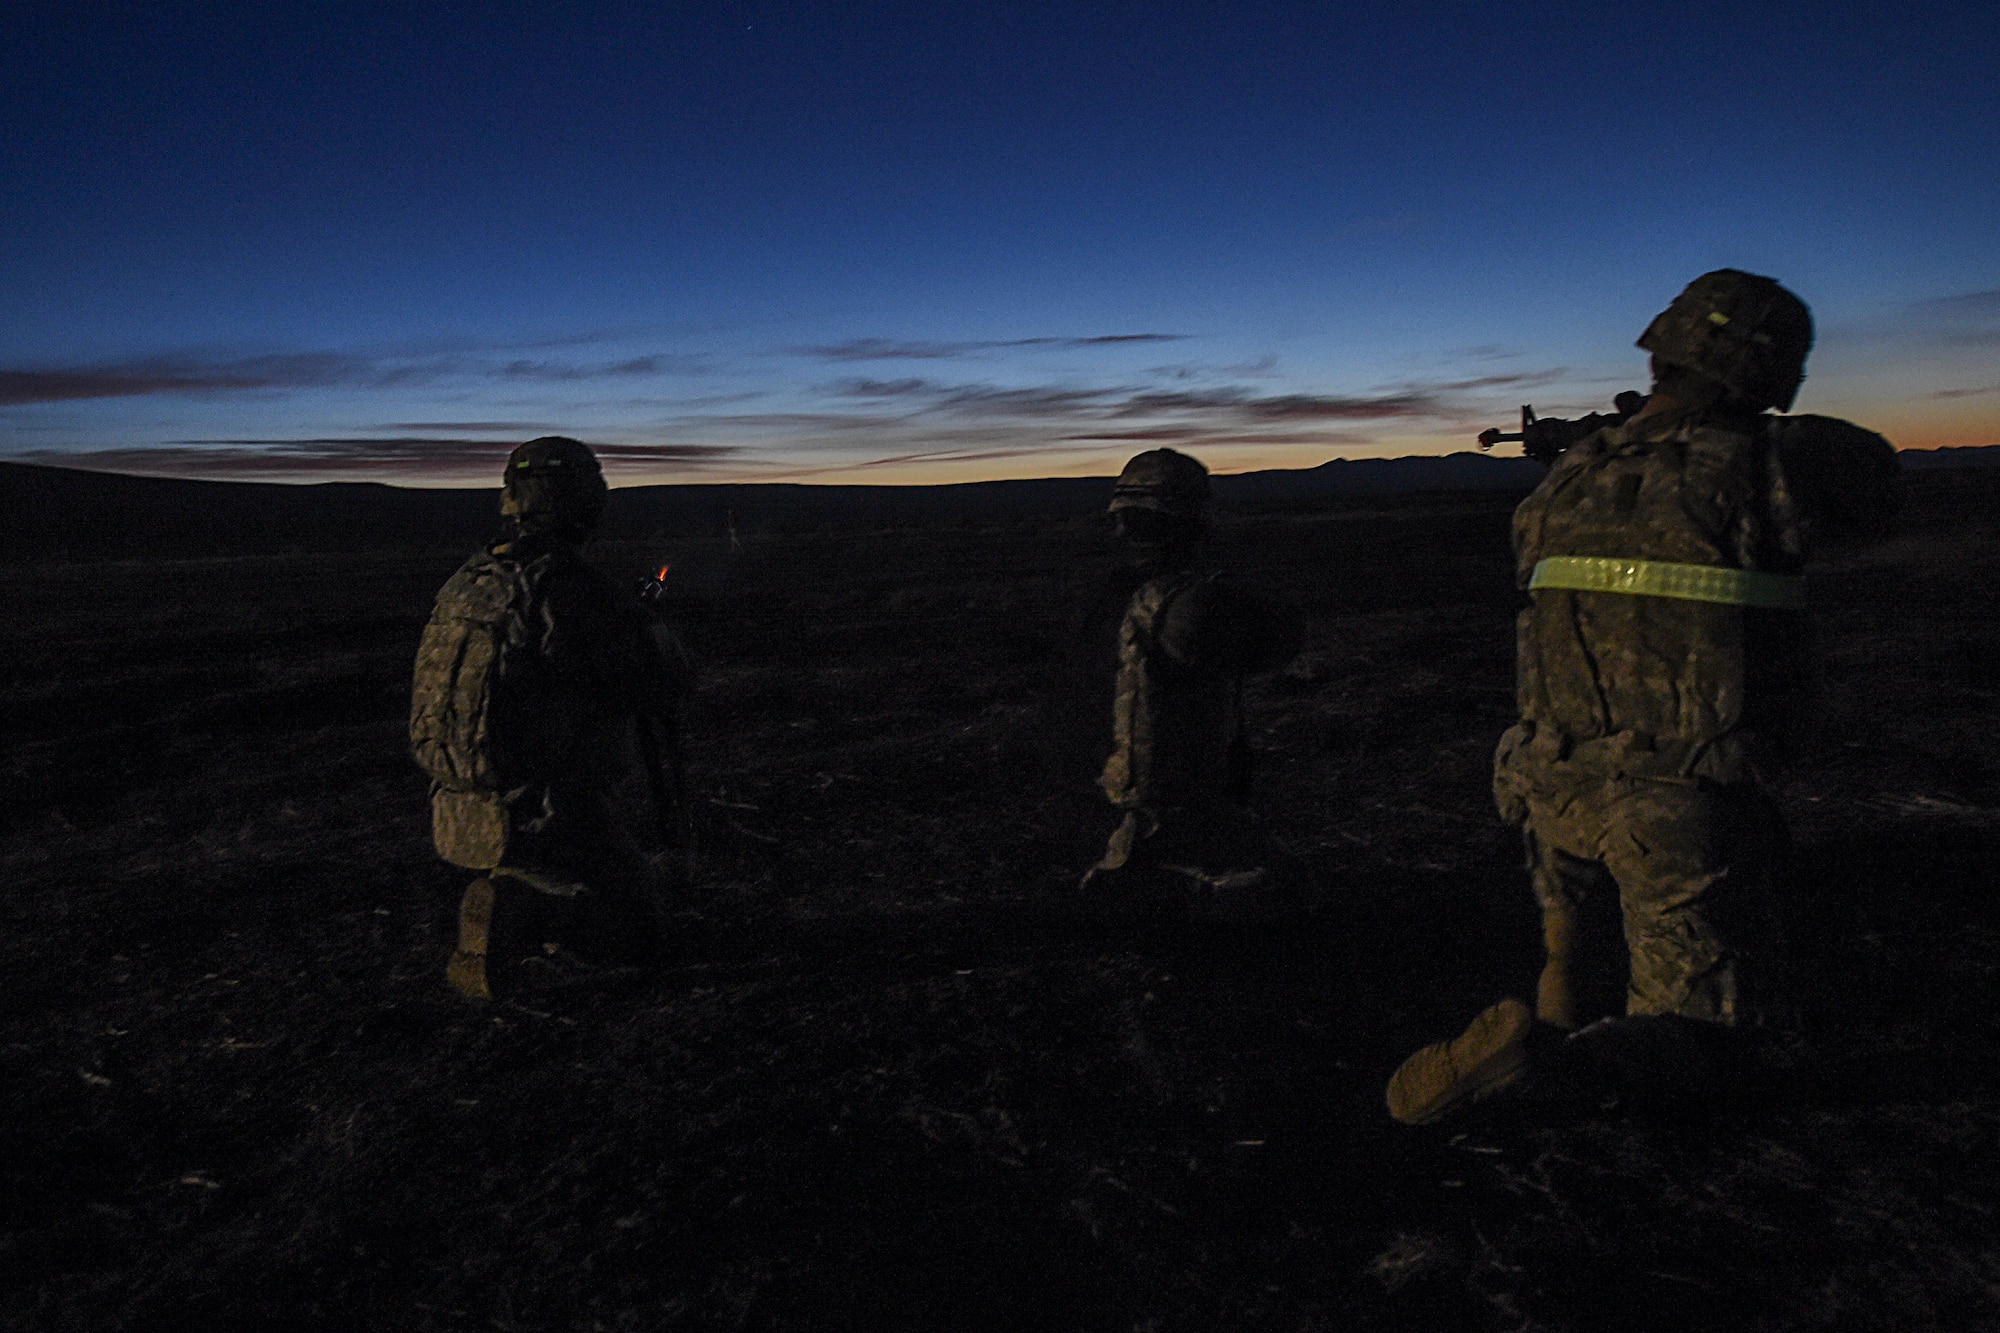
{"type": "Point", "coordinates": [897, 1076]}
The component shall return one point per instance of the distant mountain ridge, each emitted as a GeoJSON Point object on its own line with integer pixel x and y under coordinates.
{"type": "Point", "coordinates": [64, 514]}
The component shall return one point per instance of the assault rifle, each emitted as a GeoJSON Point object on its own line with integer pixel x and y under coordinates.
{"type": "Point", "coordinates": [1544, 438]}
{"type": "Point", "coordinates": [660, 733]}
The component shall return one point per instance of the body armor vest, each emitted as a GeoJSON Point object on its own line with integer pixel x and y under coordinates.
{"type": "Point", "coordinates": [1677, 686]}
{"type": "Point", "coordinates": [1173, 728]}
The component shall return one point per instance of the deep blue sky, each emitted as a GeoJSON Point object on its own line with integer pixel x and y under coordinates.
{"type": "Point", "coordinates": [916, 243]}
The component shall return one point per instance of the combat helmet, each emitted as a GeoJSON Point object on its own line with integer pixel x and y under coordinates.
{"type": "Point", "coordinates": [1163, 480]}
{"type": "Point", "coordinates": [1743, 331]}
{"type": "Point", "coordinates": [557, 476]}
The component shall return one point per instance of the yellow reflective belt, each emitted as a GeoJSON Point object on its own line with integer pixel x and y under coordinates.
{"type": "Point", "coordinates": [1658, 578]}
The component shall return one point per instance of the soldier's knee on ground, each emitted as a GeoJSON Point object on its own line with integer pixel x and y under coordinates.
{"type": "Point", "coordinates": [1679, 965]}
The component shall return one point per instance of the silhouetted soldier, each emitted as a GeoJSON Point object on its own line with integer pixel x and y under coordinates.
{"type": "Point", "coordinates": [532, 672]}
{"type": "Point", "coordinates": [1661, 647]}
{"type": "Point", "coordinates": [1179, 766]}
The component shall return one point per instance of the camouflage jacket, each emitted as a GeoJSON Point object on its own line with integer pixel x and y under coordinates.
{"type": "Point", "coordinates": [1660, 686]}
{"type": "Point", "coordinates": [531, 669]}
{"type": "Point", "coordinates": [1186, 642]}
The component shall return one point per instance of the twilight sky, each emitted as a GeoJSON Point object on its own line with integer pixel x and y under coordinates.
{"type": "Point", "coordinates": [942, 242]}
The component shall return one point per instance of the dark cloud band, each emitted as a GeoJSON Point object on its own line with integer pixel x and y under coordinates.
{"type": "Point", "coordinates": [890, 349]}
{"type": "Point", "coordinates": [309, 370]}
{"type": "Point", "coordinates": [404, 457]}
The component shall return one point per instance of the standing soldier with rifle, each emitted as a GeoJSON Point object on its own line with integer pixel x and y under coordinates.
{"type": "Point", "coordinates": [1660, 654]}
{"type": "Point", "coordinates": [1179, 768]}
{"type": "Point", "coordinates": [534, 670]}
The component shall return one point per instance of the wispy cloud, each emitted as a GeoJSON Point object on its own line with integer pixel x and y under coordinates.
{"type": "Point", "coordinates": [336, 445]}
{"type": "Point", "coordinates": [405, 458]}
{"type": "Point", "coordinates": [941, 421]}
{"type": "Point", "coordinates": [1966, 320]}
{"type": "Point", "coordinates": [657, 364]}
{"type": "Point", "coordinates": [1247, 405]}
{"type": "Point", "coordinates": [1039, 401]}
{"type": "Point", "coordinates": [868, 388]}
{"type": "Point", "coordinates": [1522, 380]}
{"type": "Point", "coordinates": [1965, 305]}
{"type": "Point", "coordinates": [1212, 438]}
{"type": "Point", "coordinates": [522, 428]}
{"type": "Point", "coordinates": [182, 375]}
{"type": "Point", "coordinates": [769, 429]}
{"type": "Point", "coordinates": [1255, 368]}
{"type": "Point", "coordinates": [1970, 319]}
{"type": "Point", "coordinates": [892, 349]}
{"type": "Point", "coordinates": [471, 345]}
{"type": "Point", "coordinates": [1125, 401]}
{"type": "Point", "coordinates": [642, 457]}
{"type": "Point", "coordinates": [202, 375]}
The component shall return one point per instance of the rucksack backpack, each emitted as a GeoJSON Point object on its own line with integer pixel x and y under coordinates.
{"type": "Point", "coordinates": [459, 715]}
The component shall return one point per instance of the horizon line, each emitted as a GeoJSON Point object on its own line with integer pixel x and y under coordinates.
{"type": "Point", "coordinates": [825, 485]}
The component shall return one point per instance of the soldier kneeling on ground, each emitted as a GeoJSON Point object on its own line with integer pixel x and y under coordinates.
{"type": "Point", "coordinates": [533, 672]}
{"type": "Point", "coordinates": [1179, 768]}
{"type": "Point", "coordinates": [1660, 655]}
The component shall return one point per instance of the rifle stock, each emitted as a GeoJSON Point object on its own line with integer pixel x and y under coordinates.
{"type": "Point", "coordinates": [666, 775]}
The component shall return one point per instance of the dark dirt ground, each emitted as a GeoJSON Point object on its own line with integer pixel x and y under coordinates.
{"type": "Point", "coordinates": [897, 1075]}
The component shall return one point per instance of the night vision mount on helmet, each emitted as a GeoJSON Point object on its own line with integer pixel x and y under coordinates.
{"type": "Point", "coordinates": [1741, 330]}
{"type": "Point", "coordinates": [554, 475]}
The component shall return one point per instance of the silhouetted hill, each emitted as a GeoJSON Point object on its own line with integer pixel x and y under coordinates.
{"type": "Point", "coordinates": [1981, 456]}
{"type": "Point", "coordinates": [64, 514]}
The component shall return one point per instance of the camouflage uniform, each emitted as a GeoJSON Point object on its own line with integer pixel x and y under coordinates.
{"type": "Point", "coordinates": [1179, 766]}
{"type": "Point", "coordinates": [1658, 661]}
{"type": "Point", "coordinates": [579, 664]}
{"type": "Point", "coordinates": [1648, 722]}
{"type": "Point", "coordinates": [533, 670]}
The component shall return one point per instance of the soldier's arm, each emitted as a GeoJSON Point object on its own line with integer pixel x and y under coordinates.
{"type": "Point", "coordinates": [1845, 482]}
{"type": "Point", "coordinates": [653, 671]}
{"type": "Point", "coordinates": [1216, 626]}
{"type": "Point", "coordinates": [596, 637]}
{"type": "Point", "coordinates": [666, 673]}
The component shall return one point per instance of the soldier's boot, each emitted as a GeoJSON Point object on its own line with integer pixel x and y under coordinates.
{"type": "Point", "coordinates": [1115, 868]}
{"type": "Point", "coordinates": [1490, 1055]}
{"type": "Point", "coordinates": [1243, 896]}
{"type": "Point", "coordinates": [1555, 1002]}
{"type": "Point", "coordinates": [467, 969]}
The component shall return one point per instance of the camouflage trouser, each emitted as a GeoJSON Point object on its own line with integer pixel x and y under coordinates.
{"type": "Point", "coordinates": [571, 837]}
{"type": "Point", "coordinates": [592, 886]}
{"type": "Point", "coordinates": [1695, 866]}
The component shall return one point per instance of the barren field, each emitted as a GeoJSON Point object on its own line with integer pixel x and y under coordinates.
{"type": "Point", "coordinates": [896, 1074]}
